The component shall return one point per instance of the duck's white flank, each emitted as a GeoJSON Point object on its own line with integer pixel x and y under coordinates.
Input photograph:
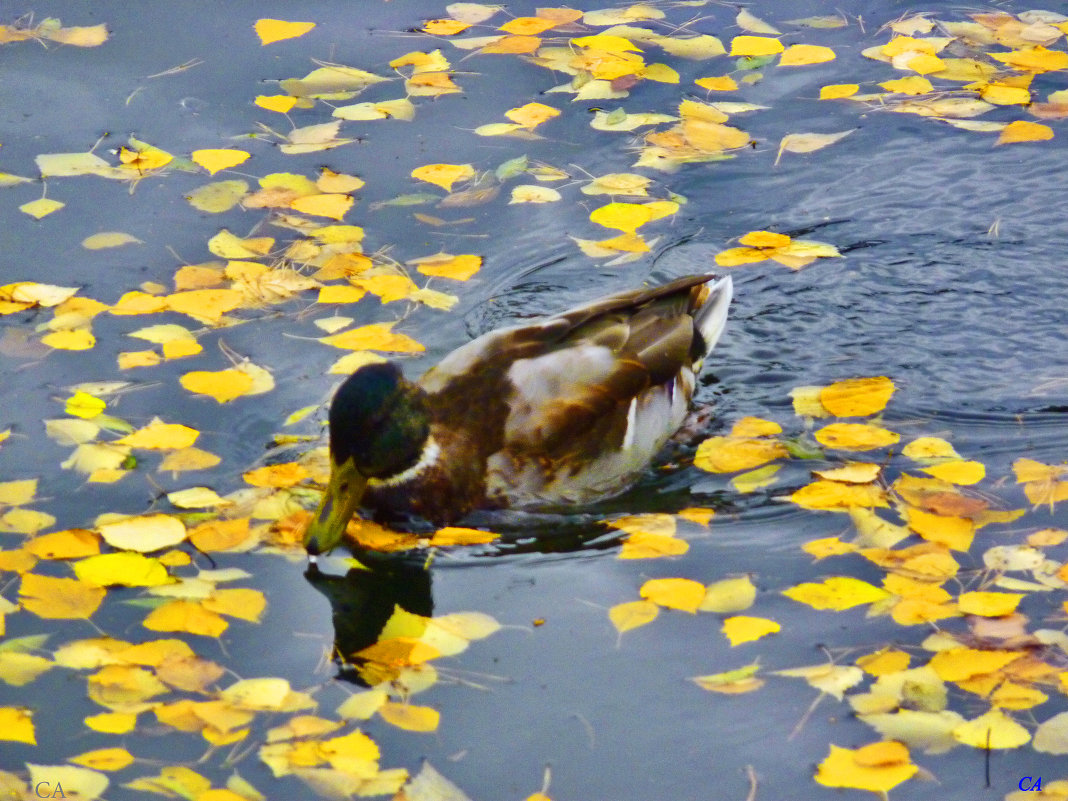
{"type": "Point", "coordinates": [632, 413]}
{"type": "Point", "coordinates": [428, 457]}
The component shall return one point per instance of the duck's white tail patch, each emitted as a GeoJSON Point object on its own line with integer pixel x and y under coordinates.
{"type": "Point", "coordinates": [711, 318]}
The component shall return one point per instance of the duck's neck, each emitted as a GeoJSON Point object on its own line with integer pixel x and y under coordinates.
{"type": "Point", "coordinates": [427, 459]}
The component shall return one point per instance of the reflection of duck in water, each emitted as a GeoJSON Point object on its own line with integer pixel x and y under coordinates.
{"type": "Point", "coordinates": [566, 411]}
{"type": "Point", "coordinates": [364, 600]}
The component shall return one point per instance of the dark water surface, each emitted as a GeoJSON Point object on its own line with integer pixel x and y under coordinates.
{"type": "Point", "coordinates": [953, 284]}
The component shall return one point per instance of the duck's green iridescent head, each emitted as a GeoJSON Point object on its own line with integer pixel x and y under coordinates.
{"type": "Point", "coordinates": [379, 424]}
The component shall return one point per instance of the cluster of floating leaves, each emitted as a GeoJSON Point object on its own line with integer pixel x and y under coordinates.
{"type": "Point", "coordinates": [930, 520]}
{"type": "Point", "coordinates": [950, 71]}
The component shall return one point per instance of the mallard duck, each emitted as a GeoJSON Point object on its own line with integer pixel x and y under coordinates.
{"type": "Point", "coordinates": [564, 411]}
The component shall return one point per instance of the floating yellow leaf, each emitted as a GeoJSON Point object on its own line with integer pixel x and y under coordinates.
{"type": "Point", "coordinates": [158, 435]}
{"type": "Point", "coordinates": [632, 614]}
{"type": "Point", "coordinates": [529, 193]}
{"type": "Point", "coordinates": [828, 546]}
{"type": "Point", "coordinates": [446, 265]}
{"type": "Point", "coordinates": [618, 183]}
{"type": "Point", "coordinates": [112, 722]}
{"type": "Point", "coordinates": [857, 397]}
{"type": "Point", "coordinates": [77, 339]}
{"type": "Point", "coordinates": [809, 142]}
{"type": "Point", "coordinates": [275, 30]}
{"type": "Point", "coordinates": [953, 532]}
{"type": "Point", "coordinates": [284, 474]}
{"type": "Point", "coordinates": [16, 725]}
{"type": "Point", "coordinates": [878, 767]}
{"type": "Point", "coordinates": [71, 544]}
{"type": "Point", "coordinates": [885, 662]}
{"type": "Point", "coordinates": [958, 471]}
{"type": "Point", "coordinates": [41, 207]}
{"type": "Point", "coordinates": [1034, 59]}
{"type": "Point", "coordinates": [1002, 94]}
{"type": "Point", "coordinates": [134, 303]}
{"type": "Point", "coordinates": [240, 602]}
{"type": "Point", "coordinates": [755, 427]}
{"type": "Point", "coordinates": [188, 459]}
{"type": "Point", "coordinates": [838, 496]}
{"type": "Point", "coordinates": [718, 83]}
{"type": "Point", "coordinates": [661, 73]}
{"type": "Point", "coordinates": [755, 46]}
{"type": "Point", "coordinates": [222, 385]}
{"type": "Point", "coordinates": [742, 628]}
{"type": "Point", "coordinates": [803, 54]}
{"type": "Point", "coordinates": [18, 668]}
{"type": "Point", "coordinates": [280, 103]}
{"type": "Point", "coordinates": [988, 604]}
{"type": "Point", "coordinates": [924, 448]}
{"type": "Point", "coordinates": [836, 91]}
{"type": "Point", "coordinates": [187, 616]}
{"type": "Point", "coordinates": [126, 569]}
{"type": "Point", "coordinates": [606, 42]}
{"type": "Point", "coordinates": [837, 593]}
{"type": "Point", "coordinates": [25, 521]}
{"type": "Point", "coordinates": [674, 593]}
{"type": "Point", "coordinates": [217, 197]}
{"type": "Point", "coordinates": [219, 535]}
{"type": "Point", "coordinates": [457, 535]}
{"type": "Point", "coordinates": [82, 404]}
{"type": "Point", "coordinates": [63, 598]}
{"type": "Point", "coordinates": [827, 677]}
{"type": "Point", "coordinates": [143, 534]}
{"type": "Point", "coordinates": [662, 524]}
{"type": "Point", "coordinates": [445, 27]}
{"type": "Point", "coordinates": [713, 137]}
{"type": "Point", "coordinates": [753, 480]}
{"type": "Point", "coordinates": [994, 729]}
{"type": "Point", "coordinates": [851, 473]}
{"type": "Point", "coordinates": [626, 217]}
{"type": "Point", "coordinates": [376, 336]}
{"type": "Point", "coordinates": [362, 706]}
{"type": "Point", "coordinates": [332, 205]}
{"type": "Point", "coordinates": [649, 545]}
{"type": "Point", "coordinates": [410, 717]}
{"type": "Point", "coordinates": [444, 175]}
{"type": "Point", "coordinates": [731, 682]}
{"type": "Point", "coordinates": [108, 239]}
{"type": "Point", "coordinates": [214, 160]}
{"type": "Point", "coordinates": [37, 294]}
{"type": "Point", "coordinates": [206, 305]}
{"type": "Point", "coordinates": [765, 239]}
{"type": "Point", "coordinates": [728, 595]}
{"type": "Point", "coordinates": [702, 516]}
{"type": "Point", "coordinates": [733, 454]}
{"type": "Point", "coordinates": [388, 288]}
{"type": "Point", "coordinates": [1024, 131]}
{"type": "Point", "coordinates": [532, 114]}
{"type": "Point", "coordinates": [960, 664]}
{"type": "Point", "coordinates": [340, 294]}
{"type": "Point", "coordinates": [104, 759]}
{"type": "Point", "coordinates": [855, 436]}
{"type": "Point", "coordinates": [196, 498]}
{"type": "Point", "coordinates": [143, 158]}
{"type": "Point", "coordinates": [693, 47]}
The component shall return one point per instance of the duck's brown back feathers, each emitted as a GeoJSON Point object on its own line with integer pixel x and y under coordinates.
{"type": "Point", "coordinates": [569, 409]}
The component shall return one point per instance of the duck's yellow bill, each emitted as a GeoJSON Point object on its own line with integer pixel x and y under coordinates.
{"type": "Point", "coordinates": [340, 501]}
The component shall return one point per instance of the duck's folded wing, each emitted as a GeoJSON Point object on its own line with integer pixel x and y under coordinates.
{"type": "Point", "coordinates": [616, 372]}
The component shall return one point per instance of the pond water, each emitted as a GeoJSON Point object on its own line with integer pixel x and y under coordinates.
{"type": "Point", "coordinates": [950, 282]}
